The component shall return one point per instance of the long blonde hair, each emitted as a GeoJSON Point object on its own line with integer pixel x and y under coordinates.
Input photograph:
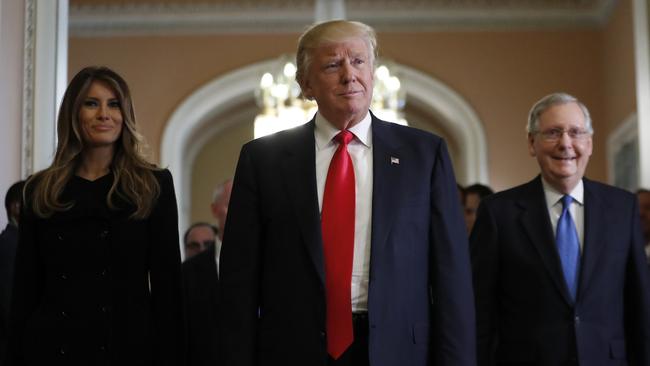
{"type": "Point", "coordinates": [133, 182]}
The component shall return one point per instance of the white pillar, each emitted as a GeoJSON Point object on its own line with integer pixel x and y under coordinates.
{"type": "Point", "coordinates": [642, 56]}
{"type": "Point", "coordinates": [46, 62]}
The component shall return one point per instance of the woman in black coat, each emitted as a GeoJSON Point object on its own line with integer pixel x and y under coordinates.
{"type": "Point", "coordinates": [97, 278]}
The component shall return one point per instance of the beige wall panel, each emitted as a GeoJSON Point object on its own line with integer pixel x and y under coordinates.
{"type": "Point", "coordinates": [618, 56]}
{"type": "Point", "coordinates": [163, 71]}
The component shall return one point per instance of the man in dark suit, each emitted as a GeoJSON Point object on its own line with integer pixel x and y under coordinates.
{"type": "Point", "coordinates": [201, 281]}
{"type": "Point", "coordinates": [559, 271]}
{"type": "Point", "coordinates": [8, 244]}
{"type": "Point", "coordinates": [345, 242]}
{"type": "Point", "coordinates": [200, 289]}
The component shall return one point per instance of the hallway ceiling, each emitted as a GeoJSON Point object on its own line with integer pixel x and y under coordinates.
{"type": "Point", "coordinates": [127, 17]}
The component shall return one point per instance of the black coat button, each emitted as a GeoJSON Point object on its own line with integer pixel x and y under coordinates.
{"type": "Point", "coordinates": [62, 351]}
{"type": "Point", "coordinates": [59, 237]}
{"type": "Point", "coordinates": [103, 235]}
{"type": "Point", "coordinates": [63, 276]}
{"type": "Point", "coordinates": [64, 314]}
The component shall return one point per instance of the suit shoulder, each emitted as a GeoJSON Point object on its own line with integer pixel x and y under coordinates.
{"type": "Point", "coordinates": [279, 139]}
{"type": "Point", "coordinates": [407, 131]}
{"type": "Point", "coordinates": [162, 175]}
{"type": "Point", "coordinates": [605, 188]}
{"type": "Point", "coordinates": [608, 193]}
{"type": "Point", "coordinates": [512, 194]}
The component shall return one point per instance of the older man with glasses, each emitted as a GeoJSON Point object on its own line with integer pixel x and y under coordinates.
{"type": "Point", "coordinates": [559, 270]}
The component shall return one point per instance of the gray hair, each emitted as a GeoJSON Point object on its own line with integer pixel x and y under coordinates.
{"type": "Point", "coordinates": [331, 32]}
{"type": "Point", "coordinates": [218, 190]}
{"type": "Point", "coordinates": [549, 101]}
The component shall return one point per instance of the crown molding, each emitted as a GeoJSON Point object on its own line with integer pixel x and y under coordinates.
{"type": "Point", "coordinates": [292, 16]}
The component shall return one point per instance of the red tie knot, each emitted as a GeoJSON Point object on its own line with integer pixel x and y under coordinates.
{"type": "Point", "coordinates": [344, 137]}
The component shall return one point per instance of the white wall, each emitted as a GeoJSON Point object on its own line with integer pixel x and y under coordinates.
{"type": "Point", "coordinates": [11, 72]}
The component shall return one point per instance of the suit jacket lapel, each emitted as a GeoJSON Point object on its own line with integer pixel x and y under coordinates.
{"type": "Point", "coordinates": [299, 174]}
{"type": "Point", "coordinates": [385, 184]}
{"type": "Point", "coordinates": [537, 226]}
{"type": "Point", "coordinates": [595, 226]}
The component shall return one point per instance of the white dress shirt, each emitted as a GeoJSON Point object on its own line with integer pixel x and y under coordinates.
{"type": "Point", "coordinates": [577, 208]}
{"type": "Point", "coordinates": [360, 150]}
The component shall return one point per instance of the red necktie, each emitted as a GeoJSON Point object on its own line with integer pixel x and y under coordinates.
{"type": "Point", "coordinates": [337, 223]}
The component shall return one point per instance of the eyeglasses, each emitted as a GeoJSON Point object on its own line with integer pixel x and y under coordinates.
{"type": "Point", "coordinates": [555, 134]}
{"type": "Point", "coordinates": [199, 245]}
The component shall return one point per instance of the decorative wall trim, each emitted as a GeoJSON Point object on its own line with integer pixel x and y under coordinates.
{"type": "Point", "coordinates": [27, 162]}
{"type": "Point", "coordinates": [456, 116]}
{"type": "Point", "coordinates": [191, 118]}
{"type": "Point", "coordinates": [623, 155]}
{"type": "Point", "coordinates": [293, 16]}
{"type": "Point", "coordinates": [45, 69]}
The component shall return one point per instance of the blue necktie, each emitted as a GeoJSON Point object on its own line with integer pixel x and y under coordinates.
{"type": "Point", "coordinates": [568, 247]}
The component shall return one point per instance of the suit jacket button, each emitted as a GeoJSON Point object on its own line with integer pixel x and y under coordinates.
{"type": "Point", "coordinates": [64, 314]}
{"type": "Point", "coordinates": [576, 320]}
{"type": "Point", "coordinates": [62, 351]}
{"type": "Point", "coordinates": [322, 334]}
{"type": "Point", "coordinates": [102, 348]}
{"type": "Point", "coordinates": [63, 276]}
{"type": "Point", "coordinates": [103, 234]}
{"type": "Point", "coordinates": [59, 237]}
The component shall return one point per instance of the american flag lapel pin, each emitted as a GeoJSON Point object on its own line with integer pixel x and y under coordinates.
{"type": "Point", "coordinates": [394, 160]}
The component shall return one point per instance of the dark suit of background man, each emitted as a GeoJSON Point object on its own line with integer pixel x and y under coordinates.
{"type": "Point", "coordinates": [553, 286]}
{"type": "Point", "coordinates": [8, 244]}
{"type": "Point", "coordinates": [201, 295]}
{"type": "Point", "coordinates": [410, 287]}
{"type": "Point", "coordinates": [201, 283]}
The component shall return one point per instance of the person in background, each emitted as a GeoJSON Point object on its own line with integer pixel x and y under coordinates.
{"type": "Point", "coordinates": [643, 195]}
{"type": "Point", "coordinates": [560, 276]}
{"type": "Point", "coordinates": [98, 278]}
{"type": "Point", "coordinates": [345, 242]}
{"type": "Point", "coordinates": [8, 243]}
{"type": "Point", "coordinates": [198, 238]}
{"type": "Point", "coordinates": [200, 288]}
{"type": "Point", "coordinates": [219, 208]}
{"type": "Point", "coordinates": [471, 199]}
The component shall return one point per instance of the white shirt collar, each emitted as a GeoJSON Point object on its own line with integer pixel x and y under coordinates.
{"type": "Point", "coordinates": [325, 131]}
{"type": "Point", "coordinates": [553, 195]}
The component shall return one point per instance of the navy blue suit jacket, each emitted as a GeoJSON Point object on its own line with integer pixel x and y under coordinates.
{"type": "Point", "coordinates": [272, 272]}
{"type": "Point", "coordinates": [525, 314]}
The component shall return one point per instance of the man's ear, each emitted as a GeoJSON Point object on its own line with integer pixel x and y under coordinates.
{"type": "Point", "coordinates": [306, 90]}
